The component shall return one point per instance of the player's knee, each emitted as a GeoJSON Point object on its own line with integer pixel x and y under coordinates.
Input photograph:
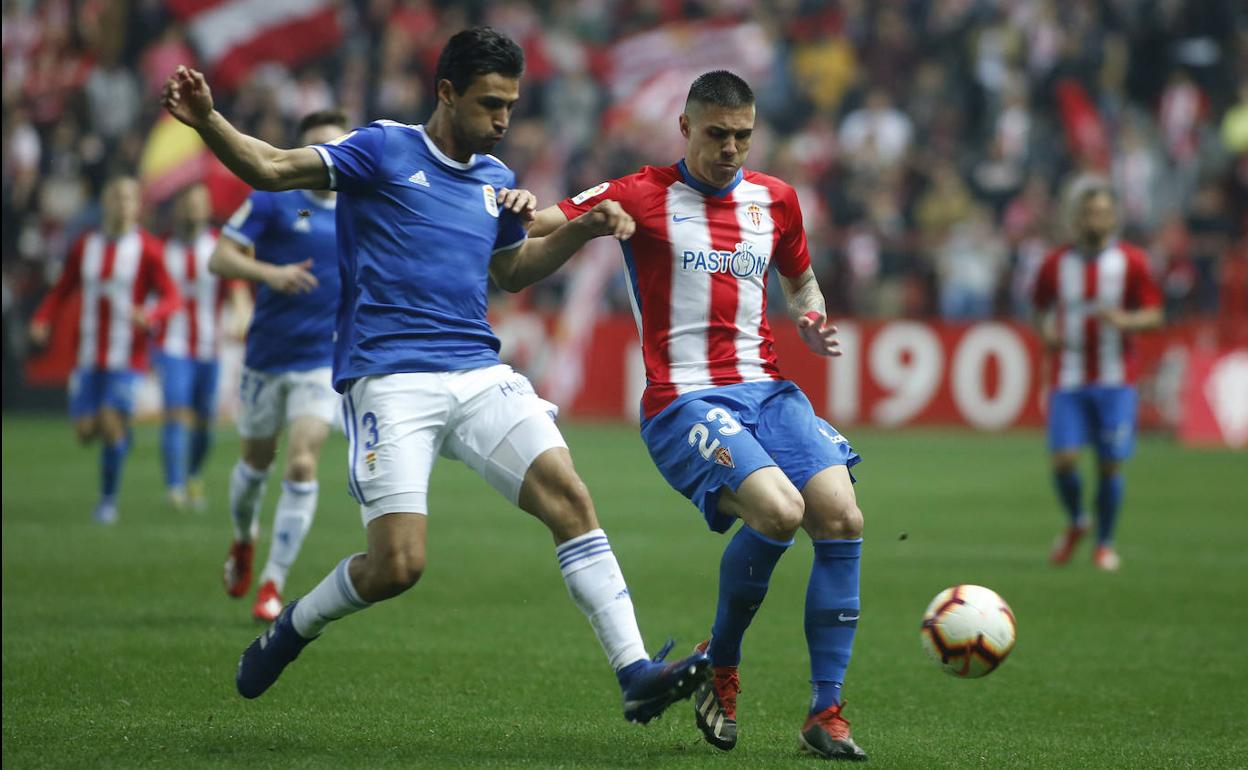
{"type": "Point", "coordinates": [1065, 461]}
{"type": "Point", "coordinates": [569, 508]}
{"type": "Point", "coordinates": [1110, 468]}
{"type": "Point", "coordinates": [848, 522]}
{"type": "Point", "coordinates": [394, 573]}
{"type": "Point", "coordinates": [301, 467]}
{"type": "Point", "coordinates": [86, 431]}
{"type": "Point", "coordinates": [781, 514]}
{"type": "Point", "coordinates": [113, 431]}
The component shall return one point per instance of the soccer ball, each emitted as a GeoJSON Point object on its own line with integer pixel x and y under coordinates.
{"type": "Point", "coordinates": [968, 630]}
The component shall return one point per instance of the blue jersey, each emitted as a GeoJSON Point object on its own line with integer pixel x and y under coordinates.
{"type": "Point", "coordinates": [290, 332]}
{"type": "Point", "coordinates": [416, 232]}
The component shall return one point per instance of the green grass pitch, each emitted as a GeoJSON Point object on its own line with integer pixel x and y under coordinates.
{"type": "Point", "coordinates": [120, 645]}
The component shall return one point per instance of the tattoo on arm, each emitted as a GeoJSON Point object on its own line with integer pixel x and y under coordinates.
{"type": "Point", "coordinates": [803, 295]}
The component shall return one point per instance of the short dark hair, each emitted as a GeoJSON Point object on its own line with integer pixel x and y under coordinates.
{"type": "Point", "coordinates": [330, 117]}
{"type": "Point", "coordinates": [478, 51]}
{"type": "Point", "coordinates": [720, 88]}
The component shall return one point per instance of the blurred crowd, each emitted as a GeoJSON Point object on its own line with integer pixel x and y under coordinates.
{"type": "Point", "coordinates": [928, 139]}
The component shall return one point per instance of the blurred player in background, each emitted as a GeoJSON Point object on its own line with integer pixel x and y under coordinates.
{"type": "Point", "coordinates": [724, 428]}
{"type": "Point", "coordinates": [1090, 296]}
{"type": "Point", "coordinates": [189, 346]}
{"type": "Point", "coordinates": [116, 268]}
{"type": "Point", "coordinates": [426, 216]}
{"type": "Point", "coordinates": [284, 242]}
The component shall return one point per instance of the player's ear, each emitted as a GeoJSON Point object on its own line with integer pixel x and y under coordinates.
{"type": "Point", "coordinates": [684, 125]}
{"type": "Point", "coordinates": [446, 93]}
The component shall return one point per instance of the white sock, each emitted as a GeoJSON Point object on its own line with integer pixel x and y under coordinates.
{"type": "Point", "coordinates": [333, 598]}
{"type": "Point", "coordinates": [295, 509]}
{"type": "Point", "coordinates": [597, 586]}
{"type": "Point", "coordinates": [246, 492]}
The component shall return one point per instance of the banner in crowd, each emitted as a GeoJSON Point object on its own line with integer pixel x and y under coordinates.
{"type": "Point", "coordinates": [987, 375]}
{"type": "Point", "coordinates": [233, 36]}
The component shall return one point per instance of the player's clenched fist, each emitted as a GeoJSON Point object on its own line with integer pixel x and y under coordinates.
{"type": "Point", "coordinates": [608, 218]}
{"type": "Point", "coordinates": [187, 97]}
{"type": "Point", "coordinates": [818, 335]}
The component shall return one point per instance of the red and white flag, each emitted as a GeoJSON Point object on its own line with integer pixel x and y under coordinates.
{"type": "Point", "coordinates": [232, 37]}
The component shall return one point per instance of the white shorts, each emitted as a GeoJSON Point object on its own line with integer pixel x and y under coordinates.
{"type": "Point", "coordinates": [397, 424]}
{"type": "Point", "coordinates": [269, 401]}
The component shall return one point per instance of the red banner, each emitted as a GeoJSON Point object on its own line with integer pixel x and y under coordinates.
{"type": "Point", "coordinates": [984, 375]}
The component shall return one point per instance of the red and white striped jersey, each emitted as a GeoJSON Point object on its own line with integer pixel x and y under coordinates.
{"type": "Point", "coordinates": [115, 276]}
{"type": "Point", "coordinates": [1078, 289]}
{"type": "Point", "coordinates": [192, 330]}
{"type": "Point", "coordinates": [697, 268]}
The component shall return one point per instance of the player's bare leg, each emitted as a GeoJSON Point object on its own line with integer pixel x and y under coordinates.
{"type": "Point", "coordinates": [554, 493]}
{"type": "Point", "coordinates": [296, 508]}
{"type": "Point", "coordinates": [1070, 492]}
{"type": "Point", "coordinates": [87, 429]}
{"type": "Point", "coordinates": [834, 522]}
{"type": "Point", "coordinates": [395, 559]}
{"type": "Point", "coordinates": [772, 510]}
{"type": "Point", "coordinates": [113, 431]}
{"type": "Point", "coordinates": [247, 483]}
{"type": "Point", "coordinates": [1108, 502]}
{"type": "Point", "coordinates": [394, 562]}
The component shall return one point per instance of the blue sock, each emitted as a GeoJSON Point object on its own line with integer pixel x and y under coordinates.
{"type": "Point", "coordinates": [112, 457]}
{"type": "Point", "coordinates": [1108, 503]}
{"type": "Point", "coordinates": [1070, 492]}
{"type": "Point", "coordinates": [201, 442]}
{"type": "Point", "coordinates": [744, 572]}
{"type": "Point", "coordinates": [832, 609]}
{"type": "Point", "coordinates": [173, 453]}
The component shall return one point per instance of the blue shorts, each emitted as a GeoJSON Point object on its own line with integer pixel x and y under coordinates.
{"type": "Point", "coordinates": [713, 438]}
{"type": "Point", "coordinates": [1102, 414]}
{"type": "Point", "coordinates": [189, 383]}
{"type": "Point", "coordinates": [91, 390]}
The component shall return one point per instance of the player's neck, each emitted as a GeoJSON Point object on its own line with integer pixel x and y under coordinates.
{"type": "Point", "coordinates": [188, 233]}
{"type": "Point", "coordinates": [113, 232]}
{"type": "Point", "coordinates": [438, 129]}
{"type": "Point", "coordinates": [1092, 246]}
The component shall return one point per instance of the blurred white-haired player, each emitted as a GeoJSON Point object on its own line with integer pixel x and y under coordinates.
{"type": "Point", "coordinates": [1090, 296]}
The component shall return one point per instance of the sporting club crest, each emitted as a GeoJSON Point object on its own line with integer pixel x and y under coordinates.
{"type": "Point", "coordinates": [756, 215]}
{"type": "Point", "coordinates": [724, 457]}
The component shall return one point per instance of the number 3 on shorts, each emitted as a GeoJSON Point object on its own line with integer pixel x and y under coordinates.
{"type": "Point", "coordinates": [369, 421]}
{"type": "Point", "coordinates": [699, 433]}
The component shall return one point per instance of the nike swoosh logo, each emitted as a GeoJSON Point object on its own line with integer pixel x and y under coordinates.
{"type": "Point", "coordinates": [846, 618]}
{"type": "Point", "coordinates": [682, 219]}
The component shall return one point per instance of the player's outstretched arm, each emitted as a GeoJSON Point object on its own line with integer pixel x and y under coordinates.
{"type": "Point", "coordinates": [538, 257]}
{"type": "Point", "coordinates": [187, 97]}
{"type": "Point", "coordinates": [1139, 320]}
{"type": "Point", "coordinates": [547, 221]}
{"type": "Point", "coordinates": [232, 260]}
{"type": "Point", "coordinates": [807, 309]}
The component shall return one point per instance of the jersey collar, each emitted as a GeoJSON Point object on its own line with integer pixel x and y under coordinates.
{"type": "Point", "coordinates": [441, 156]}
{"type": "Point", "coordinates": [706, 189]}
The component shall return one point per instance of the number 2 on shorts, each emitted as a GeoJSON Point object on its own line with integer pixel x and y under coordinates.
{"type": "Point", "coordinates": [699, 433]}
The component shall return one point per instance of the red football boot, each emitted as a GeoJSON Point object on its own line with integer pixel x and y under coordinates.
{"type": "Point", "coordinates": [268, 603]}
{"type": "Point", "coordinates": [715, 705]}
{"type": "Point", "coordinates": [826, 735]}
{"type": "Point", "coordinates": [1065, 544]}
{"type": "Point", "coordinates": [238, 569]}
